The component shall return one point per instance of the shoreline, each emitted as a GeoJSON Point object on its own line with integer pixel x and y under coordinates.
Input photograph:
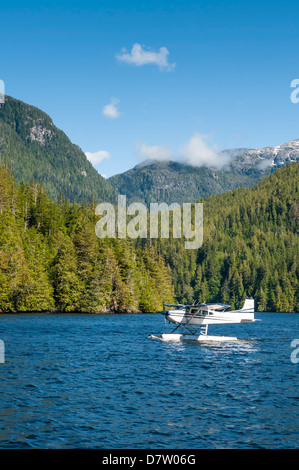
{"type": "Point", "coordinates": [57, 312]}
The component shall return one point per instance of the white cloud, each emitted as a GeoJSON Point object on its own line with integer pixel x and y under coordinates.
{"type": "Point", "coordinates": [139, 56]}
{"type": "Point", "coordinates": [155, 152]}
{"type": "Point", "coordinates": [197, 152]}
{"type": "Point", "coordinates": [264, 164]}
{"type": "Point", "coordinates": [110, 110]}
{"type": "Point", "coordinates": [97, 157]}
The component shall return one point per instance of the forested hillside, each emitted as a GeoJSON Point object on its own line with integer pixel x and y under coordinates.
{"type": "Point", "coordinates": [50, 258]}
{"type": "Point", "coordinates": [33, 147]}
{"type": "Point", "coordinates": [173, 181]}
{"type": "Point", "coordinates": [250, 247]}
{"type": "Point", "coordinates": [170, 181]}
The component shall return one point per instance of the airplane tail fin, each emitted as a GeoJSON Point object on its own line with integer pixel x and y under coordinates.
{"type": "Point", "coordinates": [248, 306]}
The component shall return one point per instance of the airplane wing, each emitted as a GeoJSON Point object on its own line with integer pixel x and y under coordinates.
{"type": "Point", "coordinates": [217, 306]}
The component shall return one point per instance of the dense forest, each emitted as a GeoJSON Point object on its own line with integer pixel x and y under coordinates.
{"type": "Point", "coordinates": [250, 247]}
{"type": "Point", "coordinates": [51, 259]}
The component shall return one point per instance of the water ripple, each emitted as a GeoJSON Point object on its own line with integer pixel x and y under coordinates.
{"type": "Point", "coordinates": [86, 381]}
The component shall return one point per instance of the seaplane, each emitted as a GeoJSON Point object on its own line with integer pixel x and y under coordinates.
{"type": "Point", "coordinates": [192, 321]}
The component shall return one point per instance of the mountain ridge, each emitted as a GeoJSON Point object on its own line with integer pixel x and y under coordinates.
{"type": "Point", "coordinates": [174, 181]}
{"type": "Point", "coordinates": [33, 147]}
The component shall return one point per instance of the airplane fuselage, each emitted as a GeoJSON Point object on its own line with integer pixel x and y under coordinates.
{"type": "Point", "coordinates": [208, 317]}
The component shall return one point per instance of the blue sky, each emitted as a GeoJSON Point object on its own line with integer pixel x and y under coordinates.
{"type": "Point", "coordinates": [203, 76]}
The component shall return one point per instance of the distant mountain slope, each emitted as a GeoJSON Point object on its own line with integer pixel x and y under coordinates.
{"type": "Point", "coordinates": [250, 247]}
{"type": "Point", "coordinates": [169, 181]}
{"type": "Point", "coordinates": [266, 157]}
{"type": "Point", "coordinates": [35, 148]}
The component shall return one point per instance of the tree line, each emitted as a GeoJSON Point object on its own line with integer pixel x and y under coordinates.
{"type": "Point", "coordinates": [250, 247]}
{"type": "Point", "coordinates": [51, 258]}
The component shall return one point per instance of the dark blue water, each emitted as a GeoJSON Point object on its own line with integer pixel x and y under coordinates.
{"type": "Point", "coordinates": [86, 381]}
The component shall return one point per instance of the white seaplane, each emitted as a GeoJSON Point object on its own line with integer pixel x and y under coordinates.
{"type": "Point", "coordinates": [194, 320]}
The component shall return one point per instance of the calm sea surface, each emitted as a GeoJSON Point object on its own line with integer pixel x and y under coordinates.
{"type": "Point", "coordinates": [88, 381]}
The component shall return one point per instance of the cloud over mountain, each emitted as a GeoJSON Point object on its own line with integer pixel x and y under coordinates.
{"type": "Point", "coordinates": [197, 152]}
{"type": "Point", "coordinates": [97, 157]}
{"type": "Point", "coordinates": [154, 152]}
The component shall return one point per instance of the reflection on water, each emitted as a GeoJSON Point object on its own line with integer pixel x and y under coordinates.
{"type": "Point", "coordinates": [99, 381]}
